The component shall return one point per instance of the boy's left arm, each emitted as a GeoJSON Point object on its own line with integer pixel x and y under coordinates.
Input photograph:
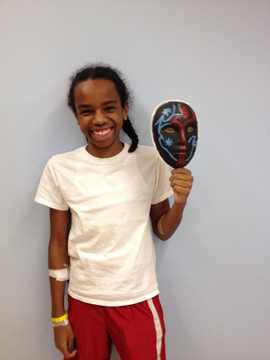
{"type": "Point", "coordinates": [165, 220]}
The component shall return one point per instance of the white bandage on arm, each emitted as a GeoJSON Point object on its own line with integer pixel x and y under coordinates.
{"type": "Point", "coordinates": [60, 275]}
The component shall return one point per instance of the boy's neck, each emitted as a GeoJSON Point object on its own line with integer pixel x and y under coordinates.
{"type": "Point", "coordinates": [105, 152]}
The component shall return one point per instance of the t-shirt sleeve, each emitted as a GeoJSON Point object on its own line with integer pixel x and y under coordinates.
{"type": "Point", "coordinates": [48, 192]}
{"type": "Point", "coordinates": [162, 188]}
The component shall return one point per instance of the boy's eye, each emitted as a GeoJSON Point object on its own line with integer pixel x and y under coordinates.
{"type": "Point", "coordinates": [109, 108]}
{"type": "Point", "coordinates": [86, 112]}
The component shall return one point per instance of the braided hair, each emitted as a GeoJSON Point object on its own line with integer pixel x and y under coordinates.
{"type": "Point", "coordinates": [105, 72]}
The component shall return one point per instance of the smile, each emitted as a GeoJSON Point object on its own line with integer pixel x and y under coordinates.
{"type": "Point", "coordinates": [103, 132]}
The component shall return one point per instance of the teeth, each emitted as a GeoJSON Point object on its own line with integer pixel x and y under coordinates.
{"type": "Point", "coordinates": [102, 132]}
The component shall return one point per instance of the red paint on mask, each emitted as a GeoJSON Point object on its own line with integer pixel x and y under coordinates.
{"type": "Point", "coordinates": [181, 123]}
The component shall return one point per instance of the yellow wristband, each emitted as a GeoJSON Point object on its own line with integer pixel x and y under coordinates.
{"type": "Point", "coordinates": [159, 225]}
{"type": "Point", "coordinates": [62, 318]}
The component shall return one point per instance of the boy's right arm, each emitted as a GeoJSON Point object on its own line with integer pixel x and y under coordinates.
{"type": "Point", "coordinates": [58, 256]}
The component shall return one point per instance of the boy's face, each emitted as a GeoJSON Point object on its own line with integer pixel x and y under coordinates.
{"type": "Point", "coordinates": [175, 132]}
{"type": "Point", "coordinates": [100, 115]}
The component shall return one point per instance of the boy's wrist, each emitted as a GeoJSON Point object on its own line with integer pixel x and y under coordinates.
{"type": "Point", "coordinates": [179, 206]}
{"type": "Point", "coordinates": [60, 318]}
{"type": "Point", "coordinates": [61, 323]}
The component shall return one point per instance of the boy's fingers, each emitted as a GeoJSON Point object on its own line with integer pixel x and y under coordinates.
{"type": "Point", "coordinates": [181, 177]}
{"type": "Point", "coordinates": [184, 184]}
{"type": "Point", "coordinates": [181, 190]}
{"type": "Point", "coordinates": [181, 171]}
{"type": "Point", "coordinates": [181, 174]}
{"type": "Point", "coordinates": [71, 345]}
{"type": "Point", "coordinates": [69, 355]}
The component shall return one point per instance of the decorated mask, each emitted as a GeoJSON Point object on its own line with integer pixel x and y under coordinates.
{"type": "Point", "coordinates": [174, 130]}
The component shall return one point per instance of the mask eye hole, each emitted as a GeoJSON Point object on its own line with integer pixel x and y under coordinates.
{"type": "Point", "coordinates": [190, 129]}
{"type": "Point", "coordinates": [169, 130]}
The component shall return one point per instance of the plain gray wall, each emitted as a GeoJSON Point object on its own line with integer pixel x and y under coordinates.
{"type": "Point", "coordinates": [214, 272]}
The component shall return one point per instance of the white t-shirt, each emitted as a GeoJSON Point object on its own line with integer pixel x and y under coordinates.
{"type": "Point", "coordinates": [111, 248]}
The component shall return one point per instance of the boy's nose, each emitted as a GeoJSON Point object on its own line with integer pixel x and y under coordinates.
{"type": "Point", "coordinates": [99, 119]}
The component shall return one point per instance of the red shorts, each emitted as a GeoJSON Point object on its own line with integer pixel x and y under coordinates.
{"type": "Point", "coordinates": [137, 331]}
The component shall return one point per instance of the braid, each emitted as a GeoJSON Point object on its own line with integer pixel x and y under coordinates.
{"type": "Point", "coordinates": [129, 130]}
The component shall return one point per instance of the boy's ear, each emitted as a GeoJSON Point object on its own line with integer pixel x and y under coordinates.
{"type": "Point", "coordinates": [76, 117]}
{"type": "Point", "coordinates": [125, 111]}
